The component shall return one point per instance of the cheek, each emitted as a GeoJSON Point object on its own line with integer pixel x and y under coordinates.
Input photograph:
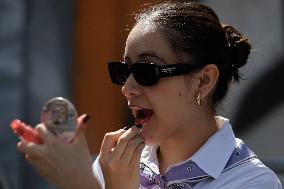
{"type": "Point", "coordinates": [176, 109]}
{"type": "Point", "coordinates": [171, 96]}
{"type": "Point", "coordinates": [171, 106]}
{"type": "Point", "coordinates": [170, 113]}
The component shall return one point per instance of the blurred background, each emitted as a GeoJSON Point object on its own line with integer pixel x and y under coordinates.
{"type": "Point", "coordinates": [54, 48]}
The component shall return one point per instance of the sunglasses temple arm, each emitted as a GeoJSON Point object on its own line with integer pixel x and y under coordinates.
{"type": "Point", "coordinates": [173, 71]}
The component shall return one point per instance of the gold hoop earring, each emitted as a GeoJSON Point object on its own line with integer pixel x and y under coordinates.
{"type": "Point", "coordinates": [199, 99]}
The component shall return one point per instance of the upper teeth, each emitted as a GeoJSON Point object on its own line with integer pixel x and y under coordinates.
{"type": "Point", "coordinates": [135, 111]}
{"type": "Point", "coordinates": [136, 108]}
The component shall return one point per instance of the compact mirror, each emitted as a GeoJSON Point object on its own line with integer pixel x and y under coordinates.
{"type": "Point", "coordinates": [59, 115]}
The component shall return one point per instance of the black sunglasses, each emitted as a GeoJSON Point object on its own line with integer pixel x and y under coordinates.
{"type": "Point", "coordinates": [146, 73]}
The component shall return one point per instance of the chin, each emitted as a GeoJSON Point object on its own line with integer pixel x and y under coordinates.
{"type": "Point", "coordinates": [149, 133]}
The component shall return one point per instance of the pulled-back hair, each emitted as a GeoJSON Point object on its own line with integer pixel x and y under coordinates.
{"type": "Point", "coordinates": [195, 29]}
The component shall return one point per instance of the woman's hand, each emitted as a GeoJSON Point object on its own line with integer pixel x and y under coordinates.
{"type": "Point", "coordinates": [67, 165]}
{"type": "Point", "coordinates": [120, 159]}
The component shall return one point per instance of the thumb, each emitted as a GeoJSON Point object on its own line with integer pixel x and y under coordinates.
{"type": "Point", "coordinates": [44, 133]}
{"type": "Point", "coordinates": [81, 127]}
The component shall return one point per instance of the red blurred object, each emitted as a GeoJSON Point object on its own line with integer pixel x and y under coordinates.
{"type": "Point", "coordinates": [28, 133]}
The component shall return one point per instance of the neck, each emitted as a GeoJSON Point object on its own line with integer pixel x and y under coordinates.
{"type": "Point", "coordinates": [186, 142]}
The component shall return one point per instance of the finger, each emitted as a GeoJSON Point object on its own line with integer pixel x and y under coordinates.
{"type": "Point", "coordinates": [39, 166]}
{"type": "Point", "coordinates": [130, 149]}
{"type": "Point", "coordinates": [124, 140]}
{"type": "Point", "coordinates": [81, 128]}
{"type": "Point", "coordinates": [135, 161]}
{"type": "Point", "coordinates": [30, 148]}
{"type": "Point", "coordinates": [109, 142]}
{"type": "Point", "coordinates": [44, 133]}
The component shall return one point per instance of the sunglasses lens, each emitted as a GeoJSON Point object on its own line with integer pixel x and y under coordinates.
{"type": "Point", "coordinates": [145, 74]}
{"type": "Point", "coordinates": [118, 72]}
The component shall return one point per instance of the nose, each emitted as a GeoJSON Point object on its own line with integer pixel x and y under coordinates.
{"type": "Point", "coordinates": [131, 88]}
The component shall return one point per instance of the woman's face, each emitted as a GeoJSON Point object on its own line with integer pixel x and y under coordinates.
{"type": "Point", "coordinates": [166, 110]}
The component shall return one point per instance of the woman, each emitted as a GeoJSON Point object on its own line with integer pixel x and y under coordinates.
{"type": "Point", "coordinates": [179, 63]}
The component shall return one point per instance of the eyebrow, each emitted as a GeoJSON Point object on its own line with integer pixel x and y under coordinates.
{"type": "Point", "coordinates": [144, 55]}
{"type": "Point", "coordinates": [150, 54]}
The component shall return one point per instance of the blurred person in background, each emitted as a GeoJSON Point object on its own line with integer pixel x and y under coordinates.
{"type": "Point", "coordinates": [179, 62]}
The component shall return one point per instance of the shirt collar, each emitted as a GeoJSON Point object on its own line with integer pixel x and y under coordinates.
{"type": "Point", "coordinates": [212, 157]}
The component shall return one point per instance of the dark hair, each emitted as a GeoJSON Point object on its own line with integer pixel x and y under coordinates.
{"type": "Point", "coordinates": [195, 29]}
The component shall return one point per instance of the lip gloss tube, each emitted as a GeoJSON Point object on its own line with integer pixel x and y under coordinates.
{"type": "Point", "coordinates": [26, 132]}
{"type": "Point", "coordinates": [139, 126]}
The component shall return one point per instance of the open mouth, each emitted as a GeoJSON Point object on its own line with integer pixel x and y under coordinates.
{"type": "Point", "coordinates": [142, 116]}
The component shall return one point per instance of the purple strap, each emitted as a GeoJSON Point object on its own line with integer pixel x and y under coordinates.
{"type": "Point", "coordinates": [186, 175]}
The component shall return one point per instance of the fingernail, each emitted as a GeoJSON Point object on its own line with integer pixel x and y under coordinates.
{"type": "Point", "coordinates": [19, 144]}
{"type": "Point", "coordinates": [139, 126]}
{"type": "Point", "coordinates": [86, 119]}
{"type": "Point", "coordinates": [126, 128]}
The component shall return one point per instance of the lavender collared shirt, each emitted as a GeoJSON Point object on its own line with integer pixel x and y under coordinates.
{"type": "Point", "coordinates": [212, 157]}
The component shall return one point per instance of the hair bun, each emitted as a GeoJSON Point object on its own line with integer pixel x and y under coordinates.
{"type": "Point", "coordinates": [239, 46]}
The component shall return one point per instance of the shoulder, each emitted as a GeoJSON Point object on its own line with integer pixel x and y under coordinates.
{"type": "Point", "coordinates": [248, 174]}
{"type": "Point", "coordinates": [252, 174]}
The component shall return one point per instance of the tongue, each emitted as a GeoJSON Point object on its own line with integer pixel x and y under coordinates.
{"type": "Point", "coordinates": [143, 116]}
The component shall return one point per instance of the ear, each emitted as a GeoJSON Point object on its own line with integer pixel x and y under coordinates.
{"type": "Point", "coordinates": [208, 78]}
